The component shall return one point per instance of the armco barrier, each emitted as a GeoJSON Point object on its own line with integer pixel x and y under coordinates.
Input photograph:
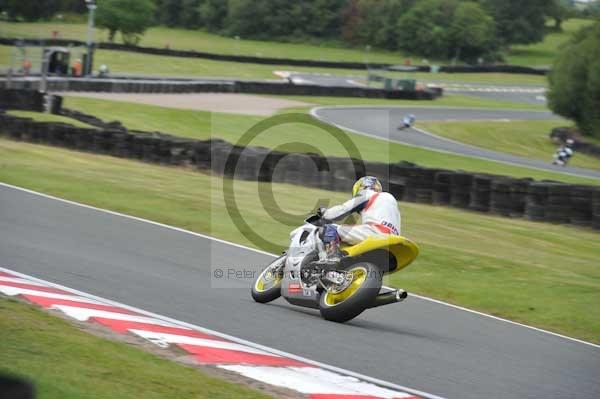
{"type": "Point", "coordinates": [501, 195]}
{"type": "Point", "coordinates": [203, 86]}
{"type": "Point", "coordinates": [278, 61]}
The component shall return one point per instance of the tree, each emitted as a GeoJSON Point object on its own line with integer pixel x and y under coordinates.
{"type": "Point", "coordinates": [518, 21]}
{"type": "Point", "coordinates": [30, 10]}
{"type": "Point", "coordinates": [574, 82]}
{"type": "Point", "coordinates": [423, 29]}
{"type": "Point", "coordinates": [390, 13]}
{"type": "Point", "coordinates": [283, 19]}
{"type": "Point", "coordinates": [130, 17]}
{"type": "Point", "coordinates": [559, 12]}
{"type": "Point", "coordinates": [248, 18]}
{"type": "Point", "coordinates": [373, 22]}
{"type": "Point", "coordinates": [212, 14]}
{"type": "Point", "coordinates": [168, 12]}
{"type": "Point", "coordinates": [446, 29]}
{"type": "Point", "coordinates": [352, 18]}
{"type": "Point", "coordinates": [472, 32]}
{"type": "Point", "coordinates": [190, 16]}
{"type": "Point", "coordinates": [326, 18]}
{"type": "Point", "coordinates": [76, 6]}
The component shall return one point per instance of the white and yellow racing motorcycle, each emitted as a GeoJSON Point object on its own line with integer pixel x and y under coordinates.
{"type": "Point", "coordinates": [342, 291]}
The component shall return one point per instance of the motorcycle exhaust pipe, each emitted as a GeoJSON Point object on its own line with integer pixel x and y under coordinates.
{"type": "Point", "coordinates": [389, 297]}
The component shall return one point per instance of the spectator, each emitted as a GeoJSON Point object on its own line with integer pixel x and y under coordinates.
{"type": "Point", "coordinates": [26, 67]}
{"type": "Point", "coordinates": [77, 68]}
{"type": "Point", "coordinates": [103, 71]}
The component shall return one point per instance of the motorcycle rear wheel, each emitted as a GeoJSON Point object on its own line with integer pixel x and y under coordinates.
{"type": "Point", "coordinates": [267, 286]}
{"type": "Point", "coordinates": [344, 305]}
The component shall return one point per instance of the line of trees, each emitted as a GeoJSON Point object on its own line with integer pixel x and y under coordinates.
{"type": "Point", "coordinates": [574, 82]}
{"type": "Point", "coordinates": [462, 29]}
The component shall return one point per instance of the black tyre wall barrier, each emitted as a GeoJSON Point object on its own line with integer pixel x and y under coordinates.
{"type": "Point", "coordinates": [27, 100]}
{"type": "Point", "coordinates": [191, 86]}
{"type": "Point", "coordinates": [500, 195]}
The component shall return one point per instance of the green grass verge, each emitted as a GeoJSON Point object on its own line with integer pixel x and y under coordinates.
{"type": "Point", "coordinates": [543, 53]}
{"type": "Point", "coordinates": [65, 362]}
{"type": "Point", "coordinates": [121, 62]}
{"type": "Point", "coordinates": [535, 54]}
{"type": "Point", "coordinates": [231, 127]}
{"type": "Point", "coordinates": [202, 41]}
{"type": "Point", "coordinates": [524, 138]}
{"type": "Point", "coordinates": [538, 54]}
{"type": "Point", "coordinates": [536, 273]}
{"type": "Point", "coordinates": [43, 117]}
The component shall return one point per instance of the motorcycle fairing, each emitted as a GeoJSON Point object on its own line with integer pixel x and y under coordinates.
{"type": "Point", "coordinates": [402, 250]}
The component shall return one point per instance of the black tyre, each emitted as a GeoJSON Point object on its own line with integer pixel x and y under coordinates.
{"type": "Point", "coordinates": [267, 286]}
{"type": "Point", "coordinates": [345, 304]}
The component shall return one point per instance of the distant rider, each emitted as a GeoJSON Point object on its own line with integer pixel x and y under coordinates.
{"type": "Point", "coordinates": [408, 121]}
{"type": "Point", "coordinates": [379, 216]}
{"type": "Point", "coordinates": [564, 153]}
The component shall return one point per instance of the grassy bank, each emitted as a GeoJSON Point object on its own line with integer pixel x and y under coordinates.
{"type": "Point", "coordinates": [121, 62]}
{"type": "Point", "coordinates": [202, 41]}
{"type": "Point", "coordinates": [231, 127]}
{"type": "Point", "coordinates": [543, 53]}
{"type": "Point", "coordinates": [66, 362]}
{"type": "Point", "coordinates": [43, 117]}
{"type": "Point", "coordinates": [535, 54]}
{"type": "Point", "coordinates": [524, 138]}
{"type": "Point", "coordinates": [537, 273]}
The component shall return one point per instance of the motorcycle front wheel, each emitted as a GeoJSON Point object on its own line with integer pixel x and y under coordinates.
{"type": "Point", "coordinates": [357, 295]}
{"type": "Point", "coordinates": [267, 286]}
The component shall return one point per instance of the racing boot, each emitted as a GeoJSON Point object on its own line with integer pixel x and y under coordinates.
{"type": "Point", "coordinates": [333, 256]}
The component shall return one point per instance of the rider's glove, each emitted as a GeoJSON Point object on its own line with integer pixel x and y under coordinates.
{"type": "Point", "coordinates": [321, 212]}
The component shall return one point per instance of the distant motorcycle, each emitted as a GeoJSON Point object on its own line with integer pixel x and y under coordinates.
{"type": "Point", "coordinates": [407, 122]}
{"type": "Point", "coordinates": [563, 154]}
{"type": "Point", "coordinates": [340, 292]}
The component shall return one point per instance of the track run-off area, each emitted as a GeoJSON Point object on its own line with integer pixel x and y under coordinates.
{"type": "Point", "coordinates": [382, 122]}
{"type": "Point", "coordinates": [423, 344]}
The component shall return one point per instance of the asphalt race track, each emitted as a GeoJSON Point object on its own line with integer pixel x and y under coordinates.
{"type": "Point", "coordinates": [419, 343]}
{"type": "Point", "coordinates": [524, 93]}
{"type": "Point", "coordinates": [383, 122]}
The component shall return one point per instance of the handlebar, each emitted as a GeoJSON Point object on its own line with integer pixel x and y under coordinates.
{"type": "Point", "coordinates": [315, 220]}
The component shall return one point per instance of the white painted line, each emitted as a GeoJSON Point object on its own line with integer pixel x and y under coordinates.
{"type": "Point", "coordinates": [302, 81]}
{"type": "Point", "coordinates": [249, 249]}
{"type": "Point", "coordinates": [84, 314]}
{"type": "Point", "coordinates": [211, 343]}
{"type": "Point", "coordinates": [66, 201]}
{"type": "Point", "coordinates": [13, 291]}
{"type": "Point", "coordinates": [505, 320]}
{"type": "Point", "coordinates": [20, 281]}
{"type": "Point", "coordinates": [457, 87]}
{"type": "Point", "coordinates": [354, 82]}
{"type": "Point", "coordinates": [282, 74]}
{"type": "Point", "coordinates": [308, 380]}
{"type": "Point", "coordinates": [178, 323]}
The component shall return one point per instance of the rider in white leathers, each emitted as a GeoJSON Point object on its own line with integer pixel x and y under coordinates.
{"type": "Point", "coordinates": [379, 216]}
